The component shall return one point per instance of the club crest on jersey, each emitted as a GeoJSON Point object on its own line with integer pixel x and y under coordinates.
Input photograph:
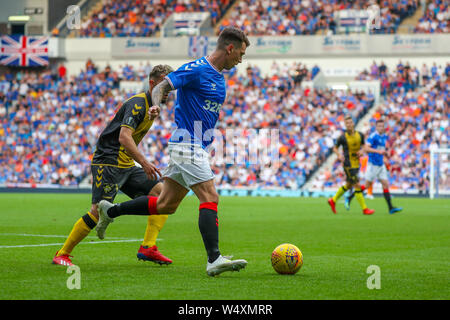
{"type": "Point", "coordinates": [213, 86]}
{"type": "Point", "coordinates": [107, 188]}
{"type": "Point", "coordinates": [130, 121]}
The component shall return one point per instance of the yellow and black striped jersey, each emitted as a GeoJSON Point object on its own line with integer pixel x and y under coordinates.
{"type": "Point", "coordinates": [351, 145]}
{"type": "Point", "coordinates": [132, 114]}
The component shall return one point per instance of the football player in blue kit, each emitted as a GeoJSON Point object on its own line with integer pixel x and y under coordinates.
{"type": "Point", "coordinates": [201, 91]}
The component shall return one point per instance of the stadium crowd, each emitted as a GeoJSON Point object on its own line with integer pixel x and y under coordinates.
{"type": "Point", "coordinates": [392, 13]}
{"type": "Point", "coordinates": [305, 17]}
{"type": "Point", "coordinates": [132, 18]}
{"type": "Point", "coordinates": [50, 123]}
{"type": "Point", "coordinates": [436, 18]}
{"type": "Point", "coordinates": [302, 115]}
{"type": "Point", "coordinates": [417, 118]}
{"type": "Point", "coordinates": [140, 18]}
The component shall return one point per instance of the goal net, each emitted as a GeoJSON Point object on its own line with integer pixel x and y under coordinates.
{"type": "Point", "coordinates": [439, 172]}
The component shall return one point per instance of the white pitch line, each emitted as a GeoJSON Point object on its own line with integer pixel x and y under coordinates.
{"type": "Point", "coordinates": [60, 244]}
{"type": "Point", "coordinates": [32, 235]}
{"type": "Point", "coordinates": [117, 239]}
{"type": "Point", "coordinates": [51, 236]}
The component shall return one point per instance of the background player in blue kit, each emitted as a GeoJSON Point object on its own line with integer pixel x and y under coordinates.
{"type": "Point", "coordinates": [376, 167]}
{"type": "Point", "coordinates": [201, 93]}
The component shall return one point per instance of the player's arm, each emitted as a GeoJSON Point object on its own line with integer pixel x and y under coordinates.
{"type": "Point", "coordinates": [368, 147]}
{"type": "Point", "coordinates": [362, 149]}
{"type": "Point", "coordinates": [336, 149]}
{"type": "Point", "coordinates": [127, 142]}
{"type": "Point", "coordinates": [160, 92]}
{"type": "Point", "coordinates": [186, 75]}
{"type": "Point", "coordinates": [386, 161]}
{"type": "Point", "coordinates": [387, 164]}
{"type": "Point", "coordinates": [134, 115]}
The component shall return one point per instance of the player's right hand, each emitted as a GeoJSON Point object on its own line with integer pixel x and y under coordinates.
{"type": "Point", "coordinates": [153, 112]}
{"type": "Point", "coordinates": [151, 171]}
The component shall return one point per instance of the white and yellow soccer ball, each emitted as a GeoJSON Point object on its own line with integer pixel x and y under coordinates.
{"type": "Point", "coordinates": [287, 259]}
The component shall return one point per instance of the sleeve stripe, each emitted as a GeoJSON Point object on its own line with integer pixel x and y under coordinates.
{"type": "Point", "coordinates": [170, 82]}
{"type": "Point", "coordinates": [124, 125]}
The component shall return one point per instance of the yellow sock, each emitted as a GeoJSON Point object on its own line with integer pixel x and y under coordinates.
{"type": "Point", "coordinates": [79, 231]}
{"type": "Point", "coordinates": [359, 196]}
{"type": "Point", "coordinates": [154, 225]}
{"type": "Point", "coordinates": [339, 193]}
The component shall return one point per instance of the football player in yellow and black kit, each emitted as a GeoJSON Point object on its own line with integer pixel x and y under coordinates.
{"type": "Point", "coordinates": [113, 168]}
{"type": "Point", "coordinates": [352, 143]}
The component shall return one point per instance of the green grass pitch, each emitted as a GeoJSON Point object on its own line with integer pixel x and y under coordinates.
{"type": "Point", "coordinates": [411, 248]}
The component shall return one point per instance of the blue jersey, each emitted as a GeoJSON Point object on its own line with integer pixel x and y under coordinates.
{"type": "Point", "coordinates": [201, 93]}
{"type": "Point", "coordinates": [377, 141]}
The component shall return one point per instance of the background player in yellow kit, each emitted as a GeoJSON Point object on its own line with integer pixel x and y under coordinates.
{"type": "Point", "coordinates": [351, 142]}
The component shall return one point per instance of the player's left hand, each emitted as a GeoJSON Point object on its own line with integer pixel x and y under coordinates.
{"type": "Point", "coordinates": [153, 112]}
{"type": "Point", "coordinates": [359, 153]}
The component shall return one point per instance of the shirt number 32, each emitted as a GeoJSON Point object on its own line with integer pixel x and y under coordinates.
{"type": "Point", "coordinates": [212, 106]}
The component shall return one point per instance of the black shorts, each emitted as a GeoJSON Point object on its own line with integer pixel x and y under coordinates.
{"type": "Point", "coordinates": [108, 180]}
{"type": "Point", "coordinates": [352, 174]}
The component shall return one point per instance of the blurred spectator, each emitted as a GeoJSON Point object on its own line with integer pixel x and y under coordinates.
{"type": "Point", "coordinates": [139, 18]}
{"type": "Point", "coordinates": [403, 76]}
{"type": "Point", "coordinates": [62, 71]}
{"type": "Point", "coordinates": [436, 18]}
{"type": "Point", "coordinates": [305, 17]}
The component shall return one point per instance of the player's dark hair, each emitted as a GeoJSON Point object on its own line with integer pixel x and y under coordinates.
{"type": "Point", "coordinates": [232, 35]}
{"type": "Point", "coordinates": [379, 121]}
{"type": "Point", "coordinates": [159, 70]}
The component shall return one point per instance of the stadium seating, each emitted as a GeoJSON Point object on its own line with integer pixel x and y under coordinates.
{"type": "Point", "coordinates": [303, 116]}
{"type": "Point", "coordinates": [297, 17]}
{"type": "Point", "coordinates": [129, 18]}
{"type": "Point", "coordinates": [435, 19]}
{"type": "Point", "coordinates": [52, 123]}
{"type": "Point", "coordinates": [138, 18]}
{"type": "Point", "coordinates": [417, 118]}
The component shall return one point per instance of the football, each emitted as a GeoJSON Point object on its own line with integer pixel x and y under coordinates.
{"type": "Point", "coordinates": [287, 259]}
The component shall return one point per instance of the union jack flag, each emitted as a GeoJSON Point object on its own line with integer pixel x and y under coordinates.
{"type": "Point", "coordinates": [23, 51]}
